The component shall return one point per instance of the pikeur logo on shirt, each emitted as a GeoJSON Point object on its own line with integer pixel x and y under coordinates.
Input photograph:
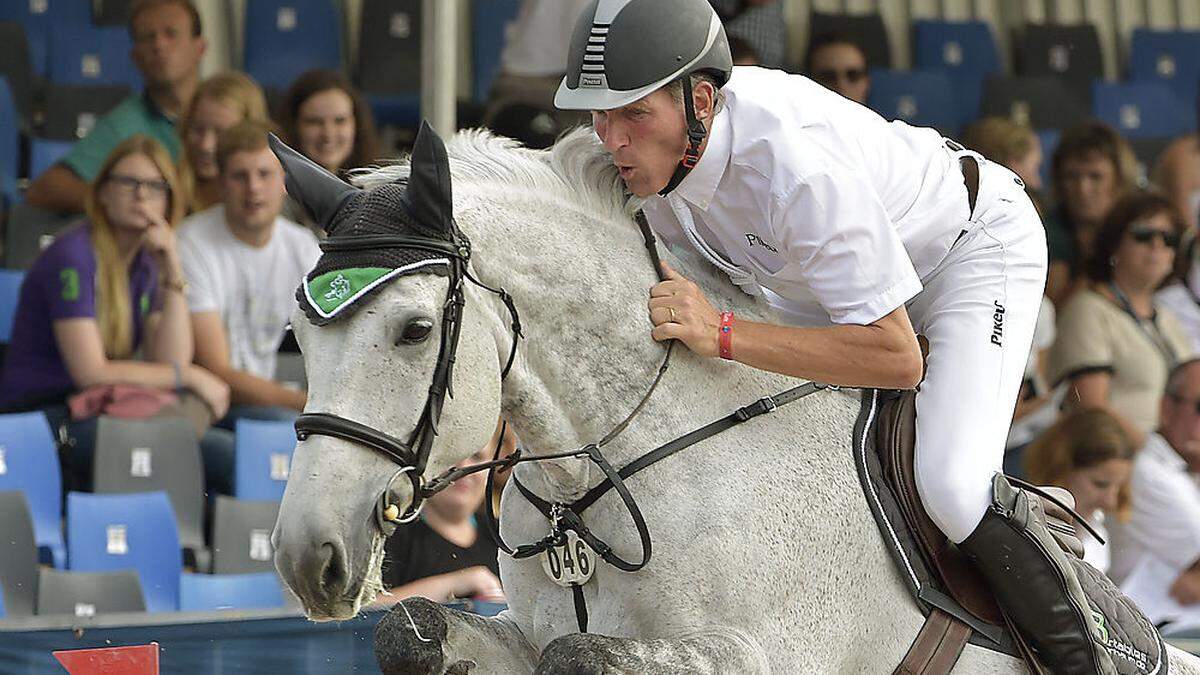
{"type": "Point", "coordinates": [998, 324]}
{"type": "Point", "coordinates": [755, 240]}
{"type": "Point", "coordinates": [69, 277]}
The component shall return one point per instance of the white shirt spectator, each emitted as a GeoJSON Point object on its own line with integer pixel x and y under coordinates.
{"type": "Point", "coordinates": [535, 44]}
{"type": "Point", "coordinates": [1183, 301]}
{"type": "Point", "coordinates": [836, 219]}
{"type": "Point", "coordinates": [1095, 553]}
{"type": "Point", "coordinates": [252, 289]}
{"type": "Point", "coordinates": [1165, 523]}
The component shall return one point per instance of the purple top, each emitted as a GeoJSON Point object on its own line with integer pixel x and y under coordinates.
{"type": "Point", "coordinates": [61, 284]}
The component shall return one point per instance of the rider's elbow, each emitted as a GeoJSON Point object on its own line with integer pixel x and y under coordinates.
{"type": "Point", "coordinates": [909, 368]}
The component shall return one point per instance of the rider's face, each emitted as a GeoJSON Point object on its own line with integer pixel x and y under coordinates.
{"type": "Point", "coordinates": [646, 139]}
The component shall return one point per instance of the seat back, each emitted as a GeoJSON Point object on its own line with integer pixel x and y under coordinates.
{"type": "Point", "coordinates": [10, 140]}
{"type": "Point", "coordinates": [45, 153]}
{"type": "Point", "coordinates": [263, 457]}
{"type": "Point", "coordinates": [10, 292]}
{"type": "Point", "coordinates": [488, 23]}
{"type": "Point", "coordinates": [922, 98]}
{"type": "Point", "coordinates": [389, 47]}
{"type": "Point", "coordinates": [133, 531]}
{"type": "Point", "coordinates": [112, 12]}
{"type": "Point", "coordinates": [966, 51]}
{"type": "Point", "coordinates": [1038, 102]}
{"type": "Point", "coordinates": [155, 454]}
{"type": "Point", "coordinates": [73, 109]}
{"type": "Point", "coordinates": [1049, 140]}
{"type": "Point", "coordinates": [29, 231]}
{"type": "Point", "coordinates": [867, 29]}
{"type": "Point", "coordinates": [1069, 52]}
{"type": "Point", "coordinates": [285, 38]}
{"type": "Point", "coordinates": [1168, 56]}
{"type": "Point", "coordinates": [29, 463]}
{"type": "Point", "coordinates": [18, 555]}
{"type": "Point", "coordinates": [86, 54]}
{"type": "Point", "coordinates": [212, 592]}
{"type": "Point", "coordinates": [242, 535]}
{"type": "Point", "coordinates": [84, 594]}
{"type": "Point", "coordinates": [1143, 109]}
{"type": "Point", "coordinates": [41, 18]}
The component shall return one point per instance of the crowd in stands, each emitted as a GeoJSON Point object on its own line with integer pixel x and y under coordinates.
{"type": "Point", "coordinates": [172, 295]}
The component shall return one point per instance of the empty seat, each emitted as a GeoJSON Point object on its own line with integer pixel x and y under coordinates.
{"type": "Point", "coordinates": [28, 231]}
{"type": "Point", "coordinates": [111, 12]}
{"type": "Point", "coordinates": [488, 24]}
{"type": "Point", "coordinates": [18, 554]}
{"type": "Point", "coordinates": [45, 153]}
{"type": "Point", "coordinates": [289, 370]}
{"type": "Point", "coordinates": [1070, 52]}
{"type": "Point", "coordinates": [1038, 102]}
{"type": "Point", "coordinates": [242, 535]}
{"type": "Point", "coordinates": [867, 30]}
{"type": "Point", "coordinates": [263, 457]}
{"type": "Point", "coordinates": [155, 454]}
{"type": "Point", "coordinates": [966, 51]}
{"type": "Point", "coordinates": [72, 109]}
{"type": "Point", "coordinates": [15, 67]}
{"type": "Point", "coordinates": [84, 594]}
{"type": "Point", "coordinates": [285, 38]}
{"type": "Point", "coordinates": [10, 145]}
{"type": "Point", "coordinates": [1141, 109]}
{"type": "Point", "coordinates": [1172, 57]}
{"type": "Point", "coordinates": [10, 291]}
{"type": "Point", "coordinates": [41, 18]}
{"type": "Point", "coordinates": [86, 54]}
{"type": "Point", "coordinates": [389, 59]}
{"type": "Point", "coordinates": [29, 463]}
{"type": "Point", "coordinates": [209, 592]}
{"type": "Point", "coordinates": [134, 531]}
{"type": "Point", "coordinates": [921, 98]}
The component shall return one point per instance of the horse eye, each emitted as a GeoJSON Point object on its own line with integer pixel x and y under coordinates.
{"type": "Point", "coordinates": [415, 331]}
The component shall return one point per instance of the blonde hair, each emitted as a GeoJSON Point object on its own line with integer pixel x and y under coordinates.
{"type": "Point", "coordinates": [236, 91]}
{"type": "Point", "coordinates": [1081, 439]}
{"type": "Point", "coordinates": [114, 313]}
{"type": "Point", "coordinates": [1000, 139]}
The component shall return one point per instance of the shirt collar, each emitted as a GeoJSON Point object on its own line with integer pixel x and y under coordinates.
{"type": "Point", "coordinates": [699, 186]}
{"type": "Point", "coordinates": [1161, 450]}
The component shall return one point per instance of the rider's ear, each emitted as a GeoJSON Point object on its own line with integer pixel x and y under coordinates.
{"type": "Point", "coordinates": [320, 192]}
{"type": "Point", "coordinates": [429, 181]}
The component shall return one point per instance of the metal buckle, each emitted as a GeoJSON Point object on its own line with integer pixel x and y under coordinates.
{"type": "Point", "coordinates": [385, 501]}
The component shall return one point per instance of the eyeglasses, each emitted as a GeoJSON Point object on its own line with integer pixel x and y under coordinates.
{"type": "Point", "coordinates": [832, 77]}
{"type": "Point", "coordinates": [1182, 401]}
{"type": "Point", "coordinates": [1146, 234]}
{"type": "Point", "coordinates": [154, 188]}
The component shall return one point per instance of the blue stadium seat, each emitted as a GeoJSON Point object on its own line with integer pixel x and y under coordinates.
{"type": "Point", "coordinates": [488, 21]}
{"type": "Point", "coordinates": [210, 592]}
{"type": "Point", "coordinates": [41, 18]}
{"type": "Point", "coordinates": [29, 463]}
{"type": "Point", "coordinates": [285, 38]}
{"type": "Point", "coordinates": [45, 152]}
{"type": "Point", "coordinates": [921, 98]}
{"type": "Point", "coordinates": [90, 55]}
{"type": "Point", "coordinates": [111, 532]}
{"type": "Point", "coordinates": [263, 457]}
{"type": "Point", "coordinates": [1049, 140]}
{"type": "Point", "coordinates": [1172, 57]}
{"type": "Point", "coordinates": [966, 51]}
{"type": "Point", "coordinates": [10, 292]}
{"type": "Point", "coordinates": [10, 148]}
{"type": "Point", "coordinates": [1141, 109]}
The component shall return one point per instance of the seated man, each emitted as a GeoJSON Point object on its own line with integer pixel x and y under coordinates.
{"type": "Point", "coordinates": [243, 262]}
{"type": "Point", "coordinates": [1156, 554]}
{"type": "Point", "coordinates": [167, 46]}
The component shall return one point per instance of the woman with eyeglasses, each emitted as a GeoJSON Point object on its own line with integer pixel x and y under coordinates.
{"type": "Point", "coordinates": [105, 305]}
{"type": "Point", "coordinates": [1116, 344]}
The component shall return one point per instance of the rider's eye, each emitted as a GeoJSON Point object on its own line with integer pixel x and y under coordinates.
{"type": "Point", "coordinates": [415, 331]}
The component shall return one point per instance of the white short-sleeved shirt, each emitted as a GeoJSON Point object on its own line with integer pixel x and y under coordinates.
{"type": "Point", "coordinates": [1182, 301]}
{"type": "Point", "coordinates": [536, 42]}
{"type": "Point", "coordinates": [252, 289]}
{"type": "Point", "coordinates": [816, 202]}
{"type": "Point", "coordinates": [1166, 513]}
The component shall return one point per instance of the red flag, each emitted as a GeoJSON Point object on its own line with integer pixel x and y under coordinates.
{"type": "Point", "coordinates": [135, 660]}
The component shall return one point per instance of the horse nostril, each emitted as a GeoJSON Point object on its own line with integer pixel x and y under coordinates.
{"type": "Point", "coordinates": [333, 572]}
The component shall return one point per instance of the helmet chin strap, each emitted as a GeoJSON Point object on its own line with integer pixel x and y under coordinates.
{"type": "Point", "coordinates": [696, 134]}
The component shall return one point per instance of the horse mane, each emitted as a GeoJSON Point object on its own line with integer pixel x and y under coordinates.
{"type": "Point", "coordinates": [576, 170]}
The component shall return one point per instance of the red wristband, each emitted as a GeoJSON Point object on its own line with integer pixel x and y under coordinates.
{"type": "Point", "coordinates": [725, 336]}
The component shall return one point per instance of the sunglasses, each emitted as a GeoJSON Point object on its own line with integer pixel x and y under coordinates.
{"type": "Point", "coordinates": [830, 77]}
{"type": "Point", "coordinates": [1145, 235]}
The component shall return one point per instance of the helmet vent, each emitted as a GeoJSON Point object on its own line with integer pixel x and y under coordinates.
{"type": "Point", "coordinates": [593, 53]}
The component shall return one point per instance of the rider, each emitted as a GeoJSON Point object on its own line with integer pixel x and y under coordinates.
{"type": "Point", "coordinates": [861, 233]}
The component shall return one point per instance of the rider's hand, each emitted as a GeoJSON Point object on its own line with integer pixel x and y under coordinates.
{"type": "Point", "coordinates": [679, 310]}
{"type": "Point", "coordinates": [477, 582]}
{"type": "Point", "coordinates": [210, 388]}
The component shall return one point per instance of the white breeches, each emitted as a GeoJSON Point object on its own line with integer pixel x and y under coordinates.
{"type": "Point", "coordinates": [978, 310]}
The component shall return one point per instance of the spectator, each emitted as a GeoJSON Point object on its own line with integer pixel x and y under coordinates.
{"type": "Point", "coordinates": [220, 102]}
{"type": "Point", "coordinates": [1006, 142]}
{"type": "Point", "coordinates": [167, 47]}
{"type": "Point", "coordinates": [837, 62]}
{"type": "Point", "coordinates": [328, 120]}
{"type": "Point", "coordinates": [1182, 296]}
{"type": "Point", "coordinates": [1088, 453]}
{"type": "Point", "coordinates": [1037, 403]}
{"type": "Point", "coordinates": [1093, 167]}
{"type": "Point", "coordinates": [1162, 536]}
{"type": "Point", "coordinates": [443, 555]}
{"type": "Point", "coordinates": [1115, 345]}
{"type": "Point", "coordinates": [759, 23]}
{"type": "Point", "coordinates": [244, 262]}
{"type": "Point", "coordinates": [1177, 172]}
{"type": "Point", "coordinates": [103, 292]}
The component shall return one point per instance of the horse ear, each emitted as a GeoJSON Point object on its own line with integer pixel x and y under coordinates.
{"type": "Point", "coordinates": [321, 193]}
{"type": "Point", "coordinates": [429, 180]}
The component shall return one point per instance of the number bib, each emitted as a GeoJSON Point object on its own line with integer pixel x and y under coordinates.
{"type": "Point", "coordinates": [570, 564]}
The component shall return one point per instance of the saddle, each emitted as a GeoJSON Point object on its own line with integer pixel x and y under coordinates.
{"type": "Point", "coordinates": [957, 603]}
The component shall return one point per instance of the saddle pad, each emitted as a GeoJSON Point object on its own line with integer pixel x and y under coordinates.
{"type": "Point", "coordinates": [1132, 641]}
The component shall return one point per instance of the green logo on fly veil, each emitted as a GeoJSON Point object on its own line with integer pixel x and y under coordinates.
{"type": "Point", "coordinates": [332, 291]}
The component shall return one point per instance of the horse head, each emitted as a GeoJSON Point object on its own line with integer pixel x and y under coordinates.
{"type": "Point", "coordinates": [398, 355]}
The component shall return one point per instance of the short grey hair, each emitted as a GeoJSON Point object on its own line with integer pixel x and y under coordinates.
{"type": "Point", "coordinates": [675, 89]}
